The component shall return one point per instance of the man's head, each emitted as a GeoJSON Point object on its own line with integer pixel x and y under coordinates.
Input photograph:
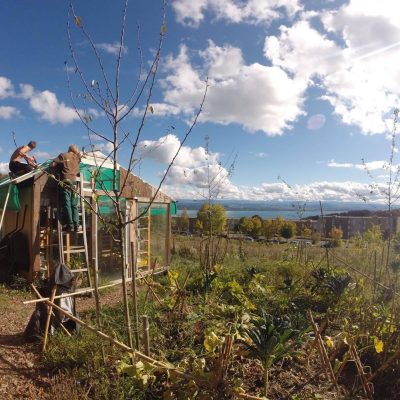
{"type": "Point", "coordinates": [73, 148]}
{"type": "Point", "coordinates": [32, 144]}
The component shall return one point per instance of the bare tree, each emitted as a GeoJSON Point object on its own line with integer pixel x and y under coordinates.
{"type": "Point", "coordinates": [104, 96]}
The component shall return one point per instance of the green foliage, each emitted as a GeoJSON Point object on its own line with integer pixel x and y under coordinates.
{"type": "Point", "coordinates": [270, 340]}
{"type": "Point", "coordinates": [183, 221]}
{"type": "Point", "coordinates": [211, 219]}
{"type": "Point", "coordinates": [245, 225]}
{"type": "Point", "coordinates": [288, 229]}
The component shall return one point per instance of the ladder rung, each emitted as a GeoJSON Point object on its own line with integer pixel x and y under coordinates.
{"type": "Point", "coordinates": [79, 270]}
{"type": "Point", "coordinates": [75, 251]}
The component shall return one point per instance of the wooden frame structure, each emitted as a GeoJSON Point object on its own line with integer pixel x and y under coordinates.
{"type": "Point", "coordinates": [38, 194]}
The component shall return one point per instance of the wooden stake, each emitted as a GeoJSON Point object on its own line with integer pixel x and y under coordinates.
{"type": "Point", "coordinates": [49, 312]}
{"type": "Point", "coordinates": [97, 300]}
{"type": "Point", "coordinates": [52, 312]}
{"type": "Point", "coordinates": [146, 336]}
{"type": "Point", "coordinates": [134, 297]}
{"type": "Point", "coordinates": [360, 371]}
{"type": "Point", "coordinates": [68, 247]}
{"type": "Point", "coordinates": [322, 350]}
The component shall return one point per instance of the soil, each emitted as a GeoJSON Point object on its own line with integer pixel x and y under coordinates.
{"type": "Point", "coordinates": [20, 374]}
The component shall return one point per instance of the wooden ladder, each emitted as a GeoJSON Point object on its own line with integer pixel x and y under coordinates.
{"type": "Point", "coordinates": [65, 247]}
{"type": "Point", "coordinates": [144, 237]}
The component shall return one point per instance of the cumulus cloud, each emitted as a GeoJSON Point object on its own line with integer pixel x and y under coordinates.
{"type": "Point", "coordinates": [7, 112]}
{"type": "Point", "coordinates": [46, 104]}
{"type": "Point", "coordinates": [4, 168]}
{"type": "Point", "coordinates": [315, 191]}
{"type": "Point", "coordinates": [256, 96]}
{"type": "Point", "coordinates": [352, 59]}
{"type": "Point", "coordinates": [112, 48]}
{"type": "Point", "coordinates": [6, 88]}
{"type": "Point", "coordinates": [369, 166]}
{"type": "Point", "coordinates": [191, 12]}
{"type": "Point", "coordinates": [194, 171]}
{"type": "Point", "coordinates": [341, 191]}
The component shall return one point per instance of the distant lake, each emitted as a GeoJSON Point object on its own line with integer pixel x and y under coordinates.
{"type": "Point", "coordinates": [274, 209]}
{"type": "Point", "coordinates": [266, 214]}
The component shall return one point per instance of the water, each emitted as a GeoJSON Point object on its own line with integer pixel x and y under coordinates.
{"type": "Point", "coordinates": [274, 209]}
{"type": "Point", "coordinates": [266, 214]}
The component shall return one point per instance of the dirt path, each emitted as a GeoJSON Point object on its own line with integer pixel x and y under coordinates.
{"type": "Point", "coordinates": [20, 376]}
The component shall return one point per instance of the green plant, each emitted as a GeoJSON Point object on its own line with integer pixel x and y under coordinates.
{"type": "Point", "coordinates": [270, 340]}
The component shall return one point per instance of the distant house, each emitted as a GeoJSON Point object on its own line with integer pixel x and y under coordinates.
{"type": "Point", "coordinates": [352, 225]}
{"type": "Point", "coordinates": [30, 230]}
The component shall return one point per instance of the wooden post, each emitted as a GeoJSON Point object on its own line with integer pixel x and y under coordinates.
{"type": "Point", "coordinates": [52, 312]}
{"type": "Point", "coordinates": [97, 300]}
{"type": "Point", "coordinates": [134, 296]}
{"type": "Point", "coordinates": [146, 336]}
{"type": "Point", "coordinates": [167, 260]}
{"type": "Point", "coordinates": [148, 239]}
{"type": "Point", "coordinates": [49, 312]}
{"type": "Point", "coordinates": [68, 247]}
{"type": "Point", "coordinates": [48, 241]}
{"type": "Point", "coordinates": [5, 205]}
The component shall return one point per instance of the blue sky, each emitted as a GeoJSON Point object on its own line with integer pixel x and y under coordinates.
{"type": "Point", "coordinates": [298, 89]}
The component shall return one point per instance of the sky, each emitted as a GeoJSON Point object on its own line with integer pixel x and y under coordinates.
{"type": "Point", "coordinates": [299, 104]}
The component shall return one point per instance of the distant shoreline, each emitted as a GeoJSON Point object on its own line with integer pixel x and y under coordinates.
{"type": "Point", "coordinates": [284, 209]}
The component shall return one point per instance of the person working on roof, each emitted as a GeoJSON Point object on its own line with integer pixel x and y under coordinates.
{"type": "Point", "coordinates": [67, 164]}
{"type": "Point", "coordinates": [16, 166]}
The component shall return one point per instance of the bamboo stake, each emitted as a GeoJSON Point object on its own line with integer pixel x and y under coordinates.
{"type": "Point", "coordinates": [322, 350]}
{"type": "Point", "coordinates": [361, 374]}
{"type": "Point", "coordinates": [164, 365]}
{"type": "Point", "coordinates": [151, 289]}
{"type": "Point", "coordinates": [52, 312]}
{"type": "Point", "coordinates": [49, 312]}
{"type": "Point", "coordinates": [97, 300]}
{"type": "Point", "coordinates": [68, 247]}
{"type": "Point", "coordinates": [394, 357]}
{"type": "Point", "coordinates": [146, 336]}
{"type": "Point", "coordinates": [82, 291]}
{"type": "Point", "coordinates": [134, 297]}
{"type": "Point", "coordinates": [169, 367]}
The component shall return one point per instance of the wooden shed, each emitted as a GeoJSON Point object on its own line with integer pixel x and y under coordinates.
{"type": "Point", "coordinates": [32, 241]}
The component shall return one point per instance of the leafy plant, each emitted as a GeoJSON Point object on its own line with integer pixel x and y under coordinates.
{"type": "Point", "coordinates": [270, 340]}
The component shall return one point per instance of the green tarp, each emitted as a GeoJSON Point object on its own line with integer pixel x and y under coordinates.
{"type": "Point", "coordinates": [13, 200]}
{"type": "Point", "coordinates": [103, 180]}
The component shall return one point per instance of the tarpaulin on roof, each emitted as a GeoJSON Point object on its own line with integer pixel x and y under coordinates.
{"type": "Point", "coordinates": [103, 176]}
{"type": "Point", "coordinates": [13, 200]}
{"type": "Point", "coordinates": [157, 209]}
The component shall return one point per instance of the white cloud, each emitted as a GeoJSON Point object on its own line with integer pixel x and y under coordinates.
{"type": "Point", "coordinates": [106, 147]}
{"type": "Point", "coordinates": [260, 154]}
{"type": "Point", "coordinates": [256, 96]}
{"type": "Point", "coordinates": [194, 170]}
{"type": "Point", "coordinates": [354, 62]}
{"type": "Point", "coordinates": [6, 112]}
{"type": "Point", "coordinates": [191, 12]}
{"type": "Point", "coordinates": [47, 105]}
{"type": "Point", "coordinates": [369, 166]}
{"type": "Point", "coordinates": [43, 155]}
{"type": "Point", "coordinates": [315, 191]}
{"type": "Point", "coordinates": [6, 88]}
{"type": "Point", "coordinates": [4, 168]}
{"type": "Point", "coordinates": [316, 122]}
{"type": "Point", "coordinates": [112, 48]}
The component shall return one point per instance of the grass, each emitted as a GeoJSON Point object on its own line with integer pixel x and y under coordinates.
{"type": "Point", "coordinates": [254, 278]}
